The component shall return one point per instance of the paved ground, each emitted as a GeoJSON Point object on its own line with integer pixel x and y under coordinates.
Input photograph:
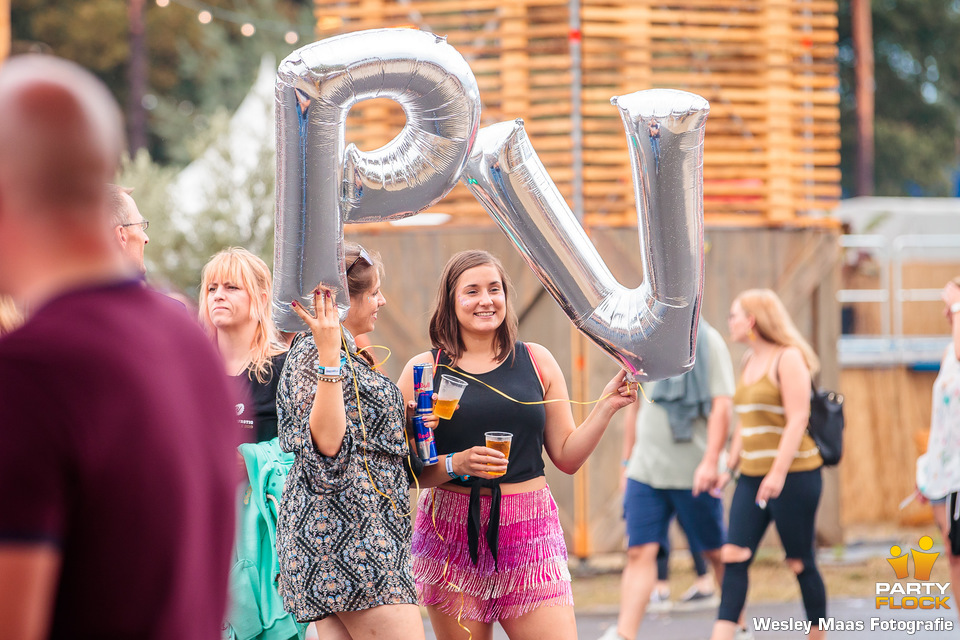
{"type": "Point", "coordinates": [697, 625]}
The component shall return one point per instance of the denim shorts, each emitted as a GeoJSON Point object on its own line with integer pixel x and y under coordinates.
{"type": "Point", "coordinates": [648, 512]}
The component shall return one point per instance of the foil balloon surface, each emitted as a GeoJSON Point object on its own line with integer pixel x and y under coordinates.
{"type": "Point", "coordinates": [322, 183]}
{"type": "Point", "coordinates": [651, 331]}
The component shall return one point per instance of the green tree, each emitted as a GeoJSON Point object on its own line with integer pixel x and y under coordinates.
{"type": "Point", "coordinates": [238, 212]}
{"type": "Point", "coordinates": [917, 70]}
{"type": "Point", "coordinates": [195, 69]}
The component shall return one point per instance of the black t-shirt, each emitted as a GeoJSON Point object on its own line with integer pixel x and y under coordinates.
{"type": "Point", "coordinates": [118, 447]}
{"type": "Point", "coordinates": [257, 408]}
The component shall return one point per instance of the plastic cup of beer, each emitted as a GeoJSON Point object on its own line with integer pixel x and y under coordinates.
{"type": "Point", "coordinates": [499, 440]}
{"type": "Point", "coordinates": [448, 396]}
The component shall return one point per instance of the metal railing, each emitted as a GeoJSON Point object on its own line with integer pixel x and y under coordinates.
{"type": "Point", "coordinates": [892, 346]}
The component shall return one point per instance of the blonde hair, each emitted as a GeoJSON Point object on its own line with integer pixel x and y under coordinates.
{"type": "Point", "coordinates": [10, 316]}
{"type": "Point", "coordinates": [773, 323]}
{"type": "Point", "coordinates": [239, 266]}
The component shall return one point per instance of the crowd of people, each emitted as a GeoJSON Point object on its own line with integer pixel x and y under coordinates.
{"type": "Point", "coordinates": [120, 417]}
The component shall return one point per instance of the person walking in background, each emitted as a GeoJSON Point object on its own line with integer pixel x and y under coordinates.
{"type": "Point", "coordinates": [779, 462]}
{"type": "Point", "coordinates": [343, 537]}
{"type": "Point", "coordinates": [671, 453]}
{"type": "Point", "coordinates": [117, 437]}
{"type": "Point", "coordinates": [938, 470]}
{"type": "Point", "coordinates": [489, 548]}
{"type": "Point", "coordinates": [235, 293]}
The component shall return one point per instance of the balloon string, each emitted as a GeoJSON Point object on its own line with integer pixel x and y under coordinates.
{"type": "Point", "coordinates": [446, 564]}
{"type": "Point", "coordinates": [377, 365]}
{"type": "Point", "coordinates": [363, 430]}
{"type": "Point", "coordinates": [533, 402]}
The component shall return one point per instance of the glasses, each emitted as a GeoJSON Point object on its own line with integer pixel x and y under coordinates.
{"type": "Point", "coordinates": [143, 224]}
{"type": "Point", "coordinates": [363, 256]}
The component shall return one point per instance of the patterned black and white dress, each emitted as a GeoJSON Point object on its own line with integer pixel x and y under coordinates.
{"type": "Point", "coordinates": [343, 535]}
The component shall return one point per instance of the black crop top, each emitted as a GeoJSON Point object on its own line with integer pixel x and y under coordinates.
{"type": "Point", "coordinates": [481, 410]}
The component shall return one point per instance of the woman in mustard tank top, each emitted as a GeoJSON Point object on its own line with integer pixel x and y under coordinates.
{"type": "Point", "coordinates": [778, 461]}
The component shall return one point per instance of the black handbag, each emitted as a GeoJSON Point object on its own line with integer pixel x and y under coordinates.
{"type": "Point", "coordinates": [826, 424]}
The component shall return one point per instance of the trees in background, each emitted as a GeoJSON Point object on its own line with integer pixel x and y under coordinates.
{"type": "Point", "coordinates": [917, 71]}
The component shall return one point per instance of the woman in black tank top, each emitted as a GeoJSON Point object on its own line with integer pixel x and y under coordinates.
{"type": "Point", "coordinates": [487, 543]}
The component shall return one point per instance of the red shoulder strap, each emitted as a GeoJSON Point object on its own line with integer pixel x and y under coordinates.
{"type": "Point", "coordinates": [436, 362]}
{"type": "Point", "coordinates": [536, 368]}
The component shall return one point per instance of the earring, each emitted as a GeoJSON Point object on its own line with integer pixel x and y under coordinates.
{"type": "Point", "coordinates": [751, 336]}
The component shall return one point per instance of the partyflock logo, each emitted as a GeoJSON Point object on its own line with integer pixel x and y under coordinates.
{"type": "Point", "coordinates": [921, 593]}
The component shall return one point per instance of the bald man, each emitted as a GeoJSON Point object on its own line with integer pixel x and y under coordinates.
{"type": "Point", "coordinates": [117, 460]}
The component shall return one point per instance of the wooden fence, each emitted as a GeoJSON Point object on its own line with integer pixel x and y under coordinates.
{"type": "Point", "coordinates": [766, 66]}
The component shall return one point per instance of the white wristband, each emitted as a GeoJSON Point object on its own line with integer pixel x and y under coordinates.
{"type": "Point", "coordinates": [955, 308]}
{"type": "Point", "coordinates": [329, 371]}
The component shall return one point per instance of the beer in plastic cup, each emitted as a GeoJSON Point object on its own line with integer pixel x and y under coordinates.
{"type": "Point", "coordinates": [499, 440]}
{"type": "Point", "coordinates": [448, 396]}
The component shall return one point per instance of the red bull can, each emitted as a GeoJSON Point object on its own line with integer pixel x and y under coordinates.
{"type": "Point", "coordinates": [426, 447]}
{"type": "Point", "coordinates": [423, 388]}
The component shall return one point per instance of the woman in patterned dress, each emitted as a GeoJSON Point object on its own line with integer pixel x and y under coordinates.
{"type": "Point", "coordinates": [343, 537]}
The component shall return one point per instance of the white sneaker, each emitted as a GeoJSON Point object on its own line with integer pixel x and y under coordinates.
{"type": "Point", "coordinates": [696, 600]}
{"type": "Point", "coordinates": [659, 601]}
{"type": "Point", "coordinates": [611, 633]}
{"type": "Point", "coordinates": [743, 633]}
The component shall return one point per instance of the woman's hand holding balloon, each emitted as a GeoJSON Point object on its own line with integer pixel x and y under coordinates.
{"type": "Point", "coordinates": [620, 392]}
{"type": "Point", "coordinates": [325, 326]}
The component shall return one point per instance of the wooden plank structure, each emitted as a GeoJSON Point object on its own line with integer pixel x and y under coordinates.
{"type": "Point", "coordinates": [770, 166]}
{"type": "Point", "coordinates": [767, 67]}
{"type": "Point", "coordinates": [5, 35]}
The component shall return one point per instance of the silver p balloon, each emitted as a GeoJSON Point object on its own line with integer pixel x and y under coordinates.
{"type": "Point", "coordinates": [322, 183]}
{"type": "Point", "coordinates": [651, 331]}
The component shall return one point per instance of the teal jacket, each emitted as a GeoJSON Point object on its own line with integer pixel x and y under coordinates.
{"type": "Point", "coordinates": [256, 609]}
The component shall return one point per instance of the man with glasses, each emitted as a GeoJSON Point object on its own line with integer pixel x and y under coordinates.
{"type": "Point", "coordinates": [129, 226]}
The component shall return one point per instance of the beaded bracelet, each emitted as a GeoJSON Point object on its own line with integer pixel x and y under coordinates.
{"type": "Point", "coordinates": [331, 378]}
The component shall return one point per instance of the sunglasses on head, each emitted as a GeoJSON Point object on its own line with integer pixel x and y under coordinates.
{"type": "Point", "coordinates": [362, 256]}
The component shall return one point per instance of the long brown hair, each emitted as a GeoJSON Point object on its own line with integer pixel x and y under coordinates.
{"type": "Point", "coordinates": [444, 326]}
{"type": "Point", "coordinates": [241, 267]}
{"type": "Point", "coordinates": [773, 323]}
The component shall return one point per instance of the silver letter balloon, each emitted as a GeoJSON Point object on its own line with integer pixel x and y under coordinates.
{"type": "Point", "coordinates": [322, 183]}
{"type": "Point", "coordinates": [651, 331]}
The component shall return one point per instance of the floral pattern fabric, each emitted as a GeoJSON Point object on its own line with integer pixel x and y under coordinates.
{"type": "Point", "coordinates": [938, 470]}
{"type": "Point", "coordinates": [343, 535]}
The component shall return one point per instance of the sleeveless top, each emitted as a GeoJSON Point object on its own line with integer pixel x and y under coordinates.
{"type": "Point", "coordinates": [481, 409]}
{"type": "Point", "coordinates": [760, 409]}
{"type": "Point", "coordinates": [938, 470]}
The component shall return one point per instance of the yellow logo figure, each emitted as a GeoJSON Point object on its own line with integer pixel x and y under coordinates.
{"type": "Point", "coordinates": [923, 562]}
{"type": "Point", "coordinates": [899, 564]}
{"type": "Point", "coordinates": [919, 593]}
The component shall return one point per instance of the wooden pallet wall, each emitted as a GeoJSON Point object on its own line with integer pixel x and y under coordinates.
{"type": "Point", "coordinates": [766, 66]}
{"type": "Point", "coordinates": [4, 29]}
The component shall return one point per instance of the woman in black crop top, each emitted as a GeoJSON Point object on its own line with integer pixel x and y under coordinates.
{"type": "Point", "coordinates": [489, 548]}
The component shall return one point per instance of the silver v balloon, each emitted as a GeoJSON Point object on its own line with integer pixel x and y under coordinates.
{"type": "Point", "coordinates": [650, 331]}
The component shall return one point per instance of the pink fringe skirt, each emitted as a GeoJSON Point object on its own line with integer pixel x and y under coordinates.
{"type": "Point", "coordinates": [532, 556]}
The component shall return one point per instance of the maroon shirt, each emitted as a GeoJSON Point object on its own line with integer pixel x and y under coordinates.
{"type": "Point", "coordinates": [117, 445]}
